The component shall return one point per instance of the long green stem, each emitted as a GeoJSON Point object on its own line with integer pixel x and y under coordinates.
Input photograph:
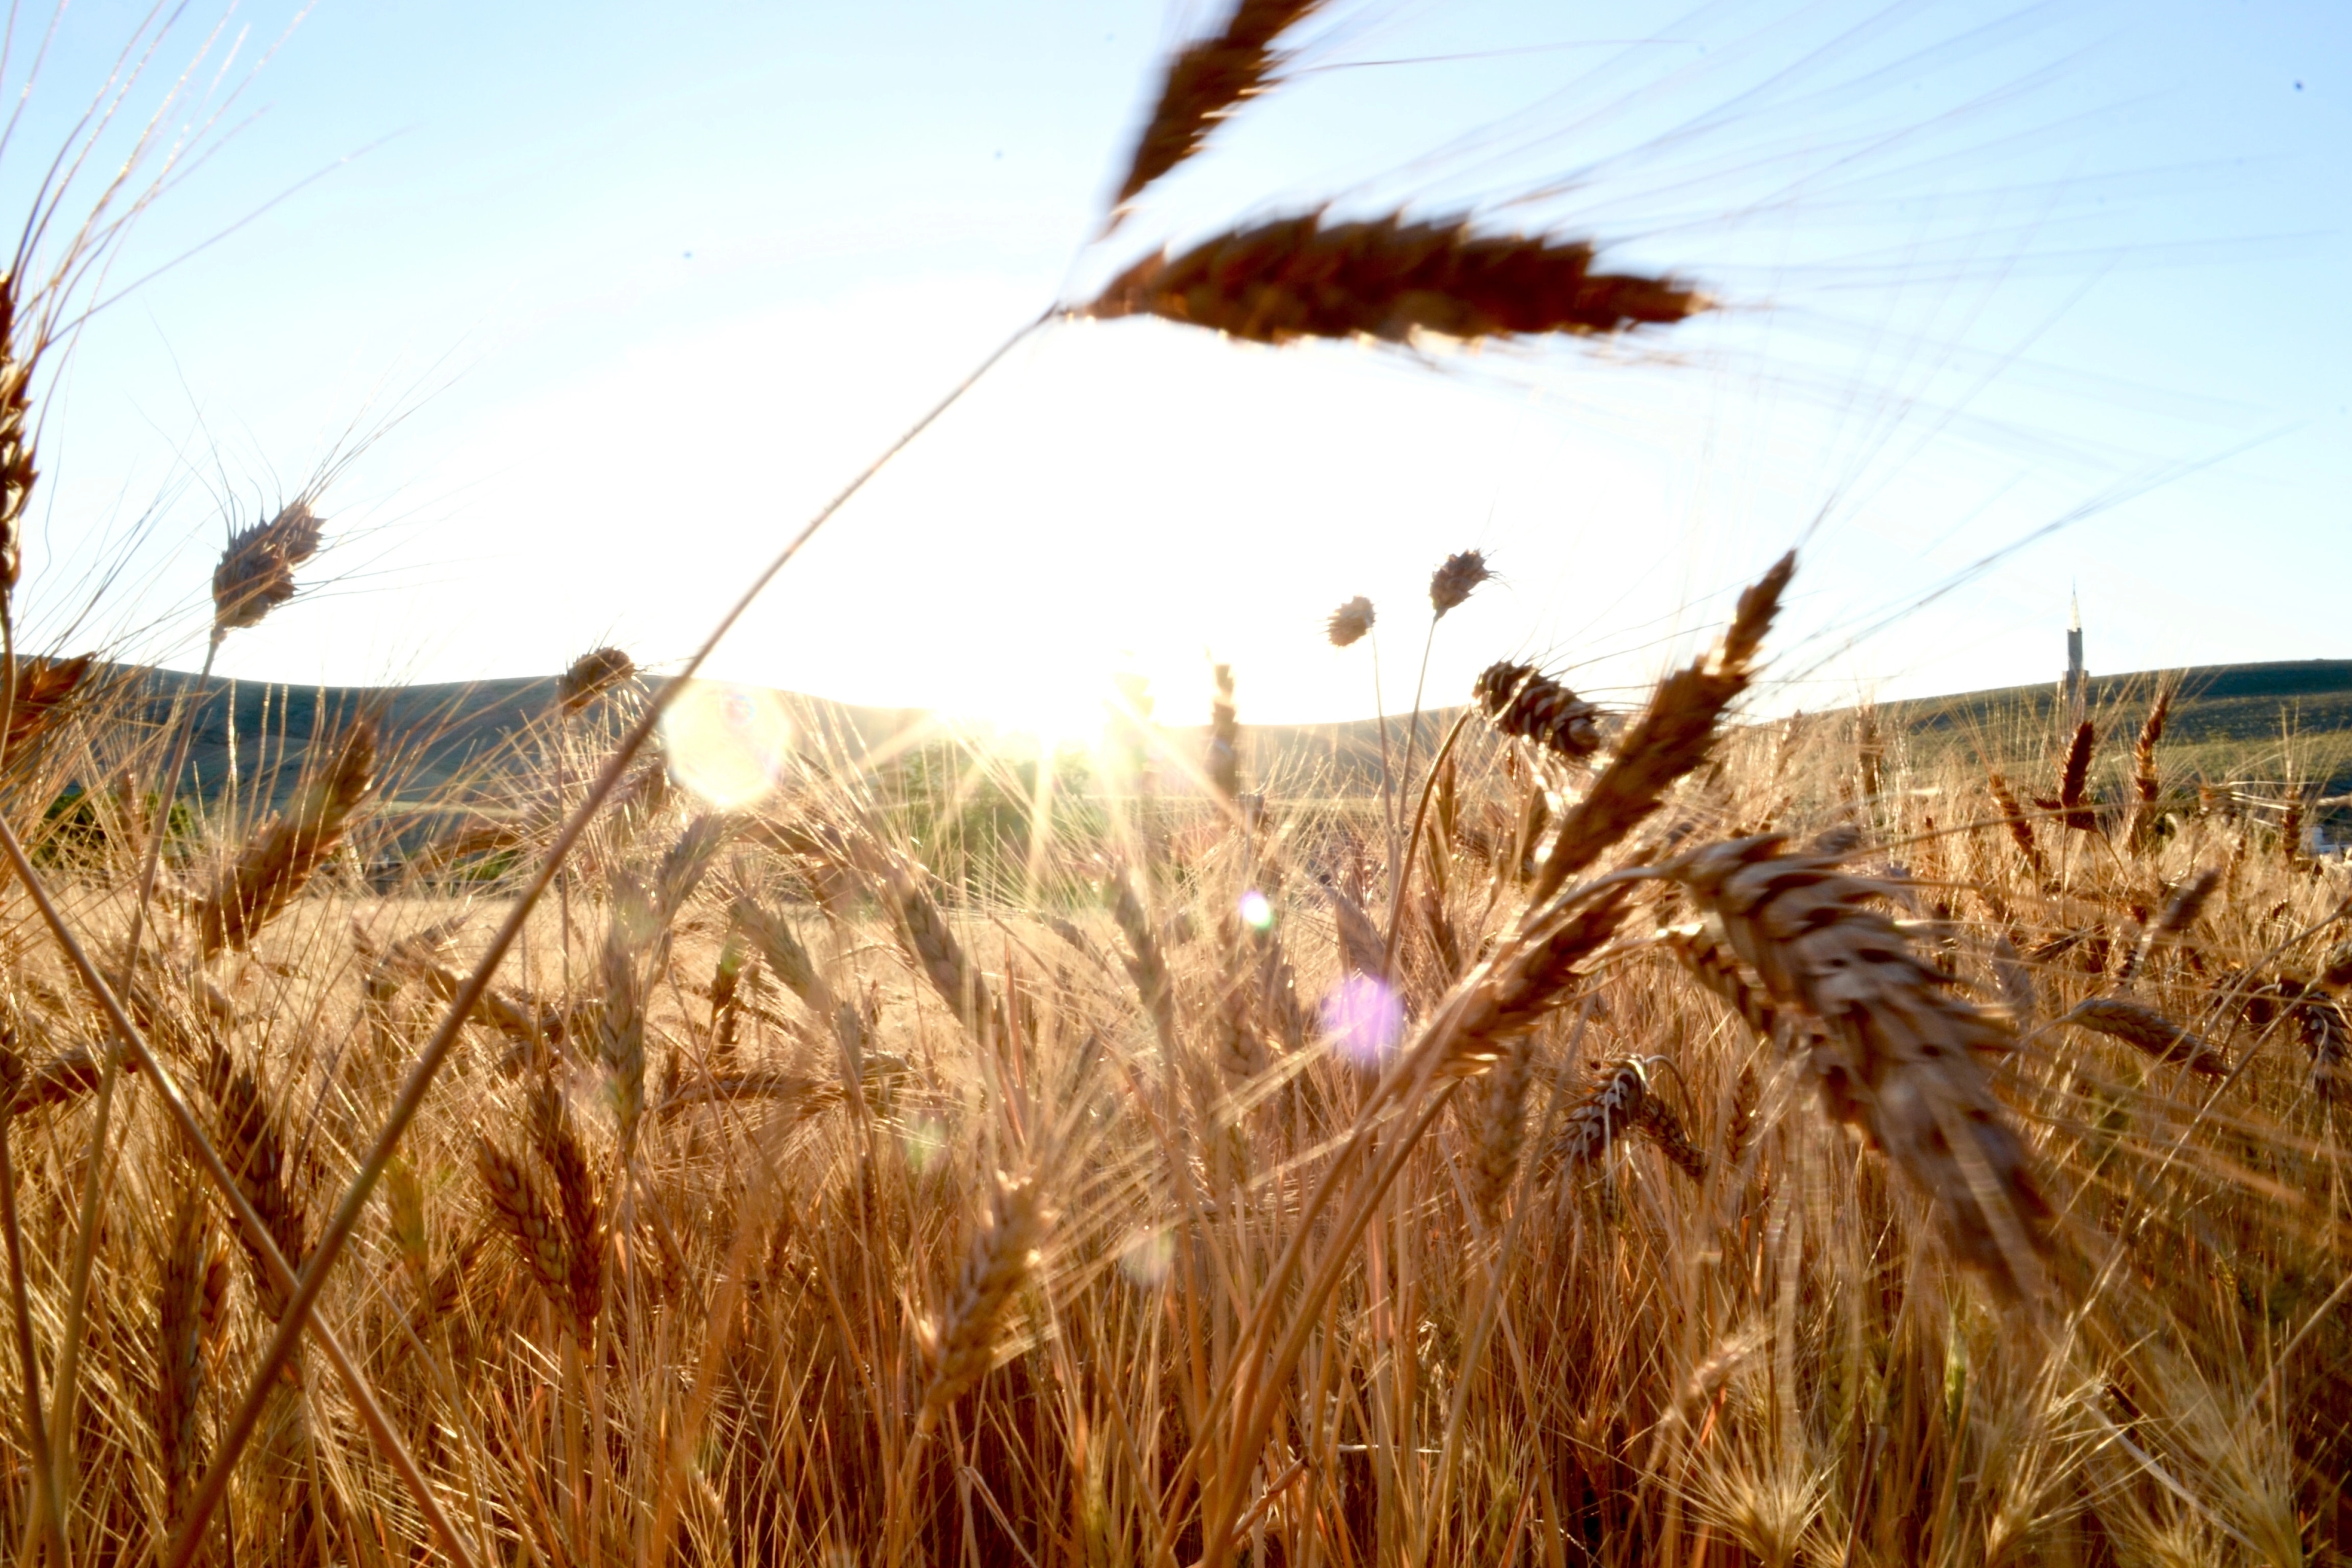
{"type": "Point", "coordinates": [436, 1050]}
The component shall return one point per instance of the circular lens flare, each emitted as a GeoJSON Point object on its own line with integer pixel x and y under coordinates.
{"type": "Point", "coordinates": [1148, 1258]}
{"type": "Point", "coordinates": [730, 744]}
{"type": "Point", "coordinates": [1256, 913]}
{"type": "Point", "coordinates": [1364, 1018]}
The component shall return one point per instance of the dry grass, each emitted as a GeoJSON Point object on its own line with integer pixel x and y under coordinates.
{"type": "Point", "coordinates": [974, 1227]}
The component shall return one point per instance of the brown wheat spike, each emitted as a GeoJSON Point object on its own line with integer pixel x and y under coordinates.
{"type": "Point", "coordinates": [1224, 758]}
{"type": "Point", "coordinates": [1522, 700]}
{"type": "Point", "coordinates": [591, 676]}
{"type": "Point", "coordinates": [925, 933]}
{"type": "Point", "coordinates": [1905, 1042]}
{"type": "Point", "coordinates": [1606, 1113]}
{"type": "Point", "coordinates": [2336, 969]}
{"type": "Point", "coordinates": [1870, 749]}
{"type": "Point", "coordinates": [2327, 1034]}
{"type": "Point", "coordinates": [281, 858]}
{"type": "Point", "coordinates": [1146, 965]}
{"type": "Point", "coordinates": [1498, 1125]}
{"type": "Point", "coordinates": [786, 959]}
{"type": "Point", "coordinates": [1241, 1050]}
{"type": "Point", "coordinates": [621, 1008]}
{"type": "Point", "coordinates": [2013, 815]}
{"type": "Point", "coordinates": [440, 1293]}
{"type": "Point", "coordinates": [728, 984]}
{"type": "Point", "coordinates": [2291, 829]}
{"type": "Point", "coordinates": [1528, 979]}
{"type": "Point", "coordinates": [1387, 278]}
{"type": "Point", "coordinates": [2146, 786]}
{"type": "Point", "coordinates": [254, 1148]}
{"type": "Point", "coordinates": [179, 1339]}
{"type": "Point", "coordinates": [1740, 1127]}
{"type": "Point", "coordinates": [2073, 803]}
{"type": "Point", "coordinates": [2180, 913]}
{"type": "Point", "coordinates": [1205, 84]}
{"type": "Point", "coordinates": [1673, 735]}
{"type": "Point", "coordinates": [1001, 1259]}
{"type": "Point", "coordinates": [1717, 968]}
{"type": "Point", "coordinates": [518, 1202]}
{"type": "Point", "coordinates": [1658, 1121]}
{"type": "Point", "coordinates": [579, 1200]}
{"type": "Point", "coordinates": [1363, 950]}
{"type": "Point", "coordinates": [1349, 622]}
{"type": "Point", "coordinates": [1450, 585]}
{"type": "Point", "coordinates": [2146, 1030]}
{"type": "Point", "coordinates": [2151, 732]}
{"type": "Point", "coordinates": [17, 473]}
{"type": "Point", "coordinates": [47, 690]}
{"type": "Point", "coordinates": [256, 573]}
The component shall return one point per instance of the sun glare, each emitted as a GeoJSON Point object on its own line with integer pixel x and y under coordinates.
{"type": "Point", "coordinates": [730, 744]}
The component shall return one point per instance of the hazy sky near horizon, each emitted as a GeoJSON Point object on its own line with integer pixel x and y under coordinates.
{"type": "Point", "coordinates": [622, 292]}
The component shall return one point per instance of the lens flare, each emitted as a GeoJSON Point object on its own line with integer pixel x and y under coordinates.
{"type": "Point", "coordinates": [1364, 1019]}
{"type": "Point", "coordinates": [1256, 913]}
{"type": "Point", "coordinates": [730, 744]}
{"type": "Point", "coordinates": [1148, 1257]}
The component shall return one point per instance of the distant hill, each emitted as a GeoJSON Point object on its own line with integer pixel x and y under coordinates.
{"type": "Point", "coordinates": [2227, 722]}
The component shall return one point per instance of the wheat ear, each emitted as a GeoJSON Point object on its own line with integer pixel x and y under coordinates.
{"type": "Point", "coordinates": [2145, 784]}
{"type": "Point", "coordinates": [282, 857]}
{"type": "Point", "coordinates": [1521, 700]}
{"type": "Point", "coordinates": [1000, 1262]}
{"type": "Point", "coordinates": [518, 1202]}
{"type": "Point", "coordinates": [2013, 815]}
{"type": "Point", "coordinates": [2146, 1030]}
{"type": "Point", "coordinates": [580, 1201]}
{"type": "Point", "coordinates": [179, 1333]}
{"type": "Point", "coordinates": [1205, 84]}
{"type": "Point", "coordinates": [254, 1148]}
{"type": "Point", "coordinates": [1671, 738]}
{"type": "Point", "coordinates": [591, 676]}
{"type": "Point", "coordinates": [1906, 1042]}
{"type": "Point", "coordinates": [1389, 278]}
{"type": "Point", "coordinates": [256, 573]}
{"type": "Point", "coordinates": [2179, 912]}
{"type": "Point", "coordinates": [1498, 1125]}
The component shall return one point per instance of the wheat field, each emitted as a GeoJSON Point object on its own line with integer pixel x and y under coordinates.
{"type": "Point", "coordinates": [1656, 1132]}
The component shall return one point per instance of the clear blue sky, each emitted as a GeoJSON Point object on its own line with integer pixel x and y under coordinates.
{"type": "Point", "coordinates": [647, 282]}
